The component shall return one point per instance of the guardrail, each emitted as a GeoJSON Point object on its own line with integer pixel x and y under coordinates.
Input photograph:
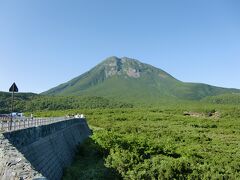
{"type": "Point", "coordinates": [21, 123]}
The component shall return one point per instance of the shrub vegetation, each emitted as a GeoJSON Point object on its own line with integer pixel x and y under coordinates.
{"type": "Point", "coordinates": [162, 143]}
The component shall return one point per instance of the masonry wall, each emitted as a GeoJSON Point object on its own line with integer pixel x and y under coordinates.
{"type": "Point", "coordinates": [40, 152]}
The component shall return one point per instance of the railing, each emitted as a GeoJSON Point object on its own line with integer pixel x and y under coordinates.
{"type": "Point", "coordinates": [21, 123]}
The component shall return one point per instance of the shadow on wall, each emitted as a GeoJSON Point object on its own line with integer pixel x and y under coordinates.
{"type": "Point", "coordinates": [50, 148]}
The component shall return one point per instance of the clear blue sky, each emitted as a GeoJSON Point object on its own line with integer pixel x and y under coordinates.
{"type": "Point", "coordinates": [47, 42]}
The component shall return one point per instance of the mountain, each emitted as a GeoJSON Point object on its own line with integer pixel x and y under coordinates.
{"type": "Point", "coordinates": [130, 80]}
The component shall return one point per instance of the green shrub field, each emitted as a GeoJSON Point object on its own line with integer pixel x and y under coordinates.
{"type": "Point", "coordinates": [162, 143]}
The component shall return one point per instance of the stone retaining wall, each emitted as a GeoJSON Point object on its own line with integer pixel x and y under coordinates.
{"type": "Point", "coordinates": [40, 152]}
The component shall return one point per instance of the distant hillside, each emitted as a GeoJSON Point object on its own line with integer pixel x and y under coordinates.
{"type": "Point", "coordinates": [71, 102]}
{"type": "Point", "coordinates": [6, 100]}
{"type": "Point", "coordinates": [233, 99]}
{"type": "Point", "coordinates": [23, 96]}
{"type": "Point", "coordinates": [32, 102]}
{"type": "Point", "coordinates": [130, 80]}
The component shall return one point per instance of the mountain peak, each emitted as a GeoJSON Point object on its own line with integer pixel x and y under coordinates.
{"type": "Point", "coordinates": [127, 78]}
{"type": "Point", "coordinates": [130, 68]}
{"type": "Point", "coordinates": [122, 66]}
{"type": "Point", "coordinates": [115, 59]}
{"type": "Point", "coordinates": [111, 58]}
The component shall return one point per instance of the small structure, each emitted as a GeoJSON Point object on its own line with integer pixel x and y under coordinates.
{"type": "Point", "coordinates": [79, 116]}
